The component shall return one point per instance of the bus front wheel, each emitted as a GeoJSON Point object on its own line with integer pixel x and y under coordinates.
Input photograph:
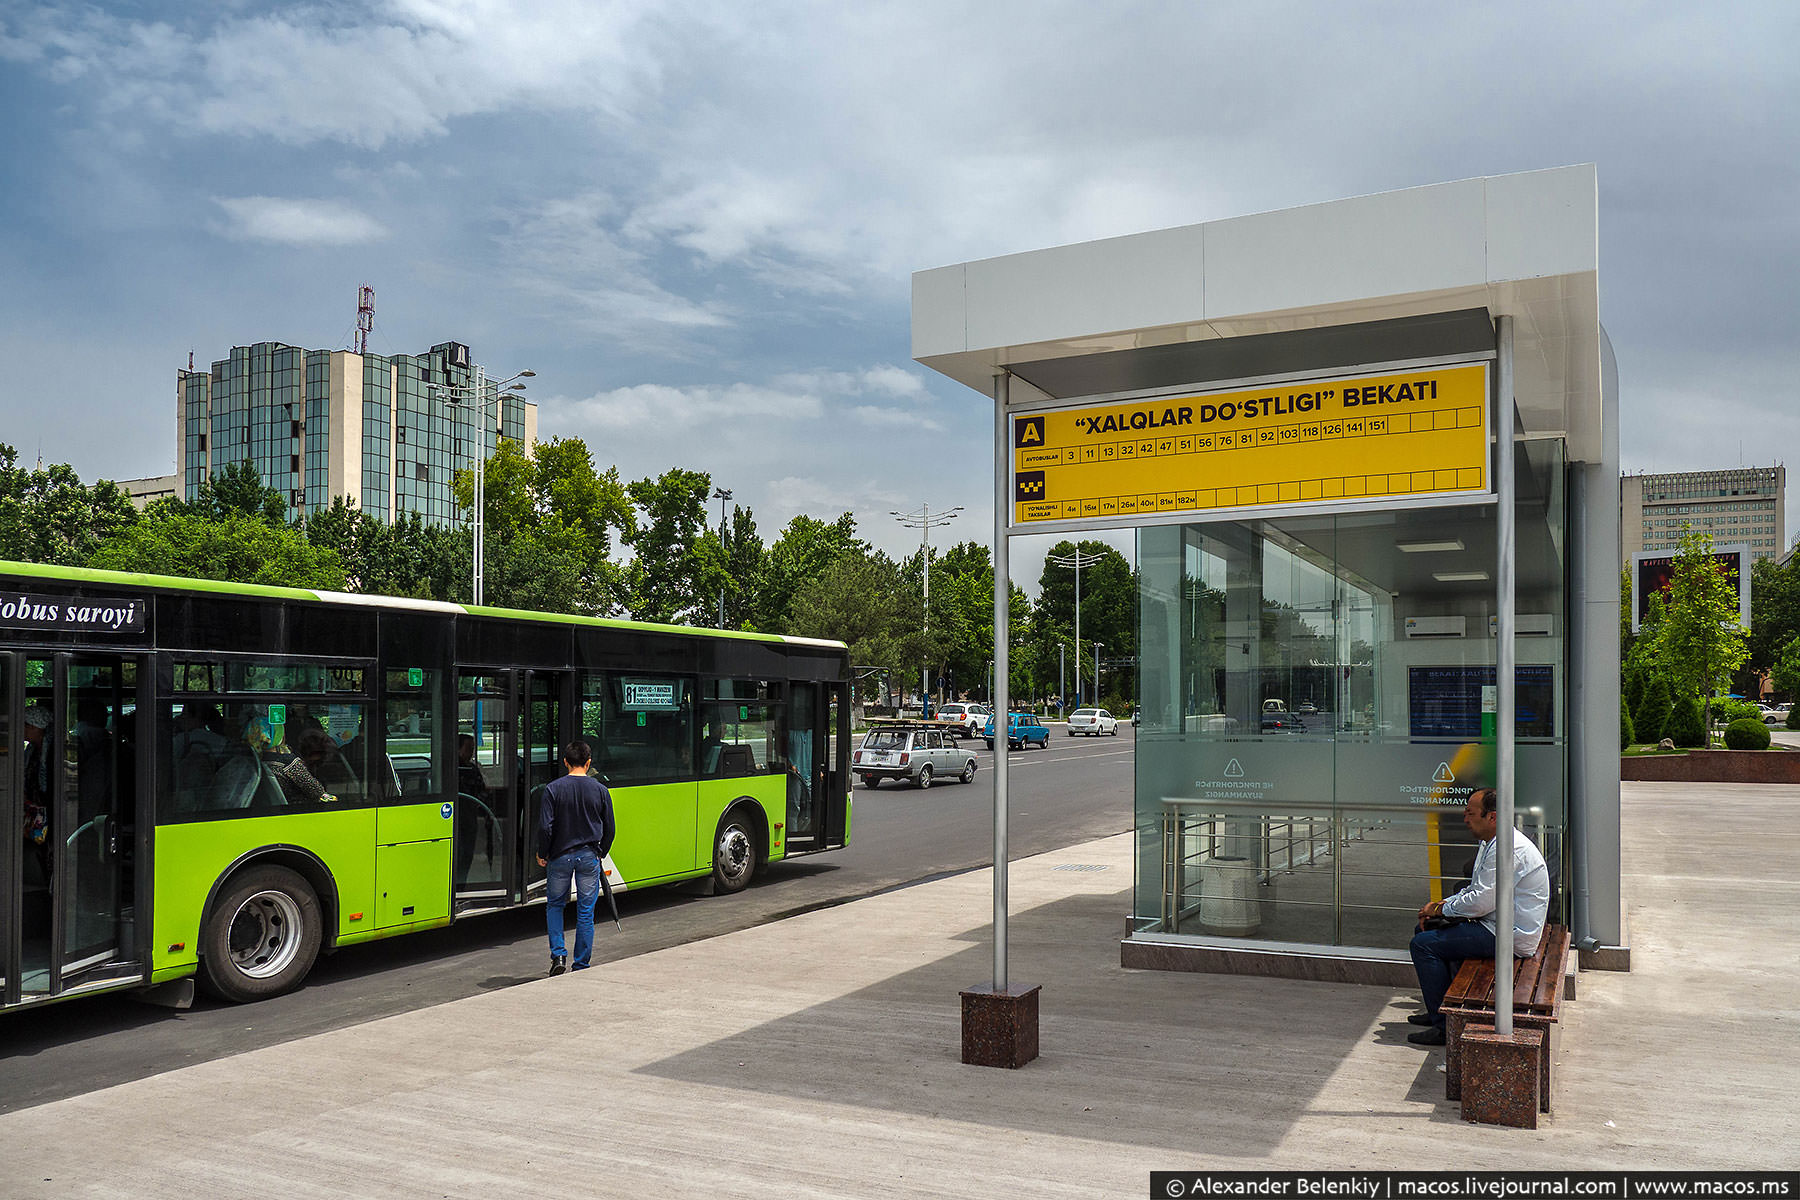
{"type": "Point", "coordinates": [734, 851]}
{"type": "Point", "coordinates": [262, 936]}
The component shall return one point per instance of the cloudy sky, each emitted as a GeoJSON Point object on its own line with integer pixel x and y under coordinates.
{"type": "Point", "coordinates": [697, 222]}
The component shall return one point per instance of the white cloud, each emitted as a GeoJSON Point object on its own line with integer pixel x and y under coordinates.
{"type": "Point", "coordinates": [298, 222]}
{"type": "Point", "coordinates": [895, 418]}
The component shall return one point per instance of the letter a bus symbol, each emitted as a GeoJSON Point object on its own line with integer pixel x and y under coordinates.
{"type": "Point", "coordinates": [1028, 431]}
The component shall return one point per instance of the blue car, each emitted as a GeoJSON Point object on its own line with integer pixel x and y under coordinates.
{"type": "Point", "coordinates": [1022, 730]}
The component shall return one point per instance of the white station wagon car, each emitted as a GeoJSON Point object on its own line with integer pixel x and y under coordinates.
{"type": "Point", "coordinates": [920, 753]}
{"type": "Point", "coordinates": [1093, 722]}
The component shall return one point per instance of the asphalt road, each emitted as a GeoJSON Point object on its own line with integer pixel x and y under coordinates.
{"type": "Point", "coordinates": [1076, 790]}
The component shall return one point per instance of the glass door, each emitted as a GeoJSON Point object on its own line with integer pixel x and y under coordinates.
{"type": "Point", "coordinates": [97, 718]}
{"type": "Point", "coordinates": [540, 739]}
{"type": "Point", "coordinates": [485, 869]}
{"type": "Point", "coordinates": [804, 763]}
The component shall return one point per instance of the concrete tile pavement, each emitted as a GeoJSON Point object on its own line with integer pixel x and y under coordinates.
{"type": "Point", "coordinates": [818, 1056]}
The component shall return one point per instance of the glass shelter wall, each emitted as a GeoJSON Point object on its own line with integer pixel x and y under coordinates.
{"type": "Point", "coordinates": [1318, 705]}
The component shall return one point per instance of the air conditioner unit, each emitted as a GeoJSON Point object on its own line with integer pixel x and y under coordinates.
{"type": "Point", "coordinates": [1526, 625]}
{"type": "Point", "coordinates": [1437, 627]}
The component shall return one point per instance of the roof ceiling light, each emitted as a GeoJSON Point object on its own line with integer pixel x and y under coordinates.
{"type": "Point", "coordinates": [1459, 576]}
{"type": "Point", "coordinates": [1429, 547]}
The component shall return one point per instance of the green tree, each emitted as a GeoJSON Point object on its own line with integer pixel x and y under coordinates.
{"type": "Point", "coordinates": [550, 511]}
{"type": "Point", "coordinates": [237, 489]}
{"type": "Point", "coordinates": [1699, 641]}
{"type": "Point", "coordinates": [1652, 720]}
{"type": "Point", "coordinates": [680, 563]}
{"type": "Point", "coordinates": [1687, 724]}
{"type": "Point", "coordinates": [174, 540]}
{"type": "Point", "coordinates": [1784, 672]}
{"type": "Point", "coordinates": [854, 599]}
{"type": "Point", "coordinates": [405, 558]}
{"type": "Point", "coordinates": [806, 547]}
{"type": "Point", "coordinates": [746, 566]}
{"type": "Point", "coordinates": [1774, 609]}
{"type": "Point", "coordinates": [48, 515]}
{"type": "Point", "coordinates": [1626, 734]}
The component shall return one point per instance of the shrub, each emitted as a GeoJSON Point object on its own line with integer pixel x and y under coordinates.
{"type": "Point", "coordinates": [1686, 727]}
{"type": "Point", "coordinates": [1626, 736]}
{"type": "Point", "coordinates": [1793, 717]}
{"type": "Point", "coordinates": [1746, 734]}
{"type": "Point", "coordinates": [1727, 711]}
{"type": "Point", "coordinates": [1652, 720]}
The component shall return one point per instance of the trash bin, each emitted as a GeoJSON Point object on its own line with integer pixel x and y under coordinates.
{"type": "Point", "coordinates": [1228, 897]}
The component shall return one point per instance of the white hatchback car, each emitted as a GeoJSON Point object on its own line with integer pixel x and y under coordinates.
{"type": "Point", "coordinates": [970, 719]}
{"type": "Point", "coordinates": [1093, 722]}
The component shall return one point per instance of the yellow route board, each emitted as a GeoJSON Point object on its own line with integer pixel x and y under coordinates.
{"type": "Point", "coordinates": [1369, 437]}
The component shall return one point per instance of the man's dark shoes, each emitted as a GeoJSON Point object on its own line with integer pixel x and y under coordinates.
{"type": "Point", "coordinates": [1433, 1036]}
{"type": "Point", "coordinates": [558, 964]}
{"type": "Point", "coordinates": [1419, 1019]}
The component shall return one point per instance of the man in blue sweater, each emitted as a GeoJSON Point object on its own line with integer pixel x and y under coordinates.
{"type": "Point", "coordinates": [575, 831]}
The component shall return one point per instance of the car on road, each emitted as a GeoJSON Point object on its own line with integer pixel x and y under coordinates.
{"type": "Point", "coordinates": [1137, 716]}
{"type": "Point", "coordinates": [969, 719]}
{"type": "Point", "coordinates": [915, 751]}
{"type": "Point", "coordinates": [1093, 722]}
{"type": "Point", "coordinates": [1775, 714]}
{"type": "Point", "coordinates": [1276, 718]}
{"type": "Point", "coordinates": [1023, 730]}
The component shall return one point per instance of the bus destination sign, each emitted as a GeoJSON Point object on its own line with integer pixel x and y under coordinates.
{"type": "Point", "coordinates": [90, 614]}
{"type": "Point", "coordinates": [1359, 440]}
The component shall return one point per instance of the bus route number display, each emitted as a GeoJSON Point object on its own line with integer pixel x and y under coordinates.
{"type": "Point", "coordinates": [1359, 439]}
{"type": "Point", "coordinates": [648, 695]}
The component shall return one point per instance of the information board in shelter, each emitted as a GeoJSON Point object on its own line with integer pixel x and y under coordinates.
{"type": "Point", "coordinates": [1400, 434]}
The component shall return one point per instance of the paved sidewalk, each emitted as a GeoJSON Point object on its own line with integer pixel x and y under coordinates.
{"type": "Point", "coordinates": [818, 1057]}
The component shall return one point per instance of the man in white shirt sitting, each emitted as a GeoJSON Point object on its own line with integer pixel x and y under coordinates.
{"type": "Point", "coordinates": [1438, 953]}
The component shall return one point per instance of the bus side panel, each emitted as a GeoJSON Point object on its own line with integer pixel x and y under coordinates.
{"type": "Point", "coordinates": [191, 856]}
{"type": "Point", "coordinates": [716, 795]}
{"type": "Point", "coordinates": [655, 838]}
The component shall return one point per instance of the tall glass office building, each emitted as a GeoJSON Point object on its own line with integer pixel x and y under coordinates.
{"type": "Point", "coordinates": [387, 431]}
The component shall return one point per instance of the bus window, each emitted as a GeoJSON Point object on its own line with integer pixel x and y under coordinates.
{"type": "Point", "coordinates": [227, 757]}
{"type": "Point", "coordinates": [641, 727]}
{"type": "Point", "coordinates": [413, 725]}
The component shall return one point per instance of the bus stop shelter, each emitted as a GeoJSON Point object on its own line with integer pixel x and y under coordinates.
{"type": "Point", "coordinates": [1369, 453]}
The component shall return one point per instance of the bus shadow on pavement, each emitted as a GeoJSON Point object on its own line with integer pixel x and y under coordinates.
{"type": "Point", "coordinates": [1226, 1063]}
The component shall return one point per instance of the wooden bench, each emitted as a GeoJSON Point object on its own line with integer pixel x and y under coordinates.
{"type": "Point", "coordinates": [1537, 1004]}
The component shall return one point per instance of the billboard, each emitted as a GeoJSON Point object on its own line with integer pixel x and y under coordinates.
{"type": "Point", "coordinates": [1348, 440]}
{"type": "Point", "coordinates": [1651, 572]}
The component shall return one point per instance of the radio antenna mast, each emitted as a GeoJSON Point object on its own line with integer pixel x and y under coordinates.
{"type": "Point", "coordinates": [365, 317]}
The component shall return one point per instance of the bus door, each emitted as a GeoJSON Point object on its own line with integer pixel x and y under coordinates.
{"type": "Point", "coordinates": [814, 711]}
{"type": "Point", "coordinates": [541, 742]}
{"type": "Point", "coordinates": [70, 787]}
{"type": "Point", "coordinates": [485, 870]}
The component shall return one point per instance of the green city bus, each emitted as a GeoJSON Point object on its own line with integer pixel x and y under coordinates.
{"type": "Point", "coordinates": [215, 782]}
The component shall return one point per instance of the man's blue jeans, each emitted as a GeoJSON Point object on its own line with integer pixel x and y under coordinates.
{"type": "Point", "coordinates": [583, 866]}
{"type": "Point", "coordinates": [1437, 953]}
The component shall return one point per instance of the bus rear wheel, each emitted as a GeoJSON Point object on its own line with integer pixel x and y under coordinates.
{"type": "Point", "coordinates": [262, 936]}
{"type": "Point", "coordinates": [734, 852]}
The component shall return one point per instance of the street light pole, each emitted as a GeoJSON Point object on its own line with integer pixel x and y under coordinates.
{"type": "Point", "coordinates": [924, 519]}
{"type": "Point", "coordinates": [722, 495]}
{"type": "Point", "coordinates": [1078, 559]}
{"type": "Point", "coordinates": [1097, 646]}
{"type": "Point", "coordinates": [475, 394]}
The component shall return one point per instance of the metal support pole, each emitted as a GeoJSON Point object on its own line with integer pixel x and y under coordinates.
{"type": "Point", "coordinates": [1002, 666]}
{"type": "Point", "coordinates": [1505, 674]}
{"type": "Point", "coordinates": [1079, 696]}
{"type": "Point", "coordinates": [481, 432]}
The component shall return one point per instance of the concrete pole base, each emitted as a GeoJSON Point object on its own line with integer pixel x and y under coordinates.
{"type": "Point", "coordinates": [1500, 1080]}
{"type": "Point", "coordinates": [1000, 1028]}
